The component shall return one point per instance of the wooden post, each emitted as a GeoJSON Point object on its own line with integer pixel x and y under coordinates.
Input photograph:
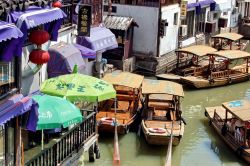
{"type": "Point", "coordinates": [197, 60]}
{"type": "Point", "coordinates": [116, 154]}
{"type": "Point", "coordinates": [247, 65]}
{"type": "Point", "coordinates": [231, 45]}
{"type": "Point", "coordinates": [245, 137]}
{"type": "Point", "coordinates": [178, 58]}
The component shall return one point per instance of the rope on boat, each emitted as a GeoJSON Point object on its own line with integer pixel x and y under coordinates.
{"type": "Point", "coordinates": [116, 155]}
{"type": "Point", "coordinates": [169, 152]}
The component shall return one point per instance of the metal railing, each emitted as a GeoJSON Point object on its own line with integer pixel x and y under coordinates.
{"type": "Point", "coordinates": [70, 143]}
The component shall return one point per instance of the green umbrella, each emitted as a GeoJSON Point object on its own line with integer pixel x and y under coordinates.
{"type": "Point", "coordinates": [55, 112]}
{"type": "Point", "coordinates": [78, 87]}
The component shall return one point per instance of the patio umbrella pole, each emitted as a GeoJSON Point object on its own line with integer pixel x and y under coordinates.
{"type": "Point", "coordinates": [42, 139]}
{"type": "Point", "coordinates": [116, 155]}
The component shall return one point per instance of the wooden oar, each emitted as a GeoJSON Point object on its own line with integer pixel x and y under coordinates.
{"type": "Point", "coordinates": [169, 152]}
{"type": "Point", "coordinates": [116, 154]}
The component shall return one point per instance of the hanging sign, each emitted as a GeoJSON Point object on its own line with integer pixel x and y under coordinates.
{"type": "Point", "coordinates": [183, 9]}
{"type": "Point", "coordinates": [84, 20]}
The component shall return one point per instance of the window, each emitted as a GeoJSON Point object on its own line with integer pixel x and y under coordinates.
{"type": "Point", "coordinates": [106, 8]}
{"type": "Point", "coordinates": [215, 16]}
{"type": "Point", "coordinates": [2, 146]}
{"type": "Point", "coordinates": [175, 18]}
{"type": "Point", "coordinates": [7, 76]}
{"type": "Point", "coordinates": [200, 21]}
{"type": "Point", "coordinates": [189, 21]}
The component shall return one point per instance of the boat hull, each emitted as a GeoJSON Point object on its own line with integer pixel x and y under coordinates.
{"type": "Point", "coordinates": [200, 83]}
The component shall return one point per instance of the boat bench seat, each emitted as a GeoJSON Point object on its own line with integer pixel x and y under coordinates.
{"type": "Point", "coordinates": [160, 105]}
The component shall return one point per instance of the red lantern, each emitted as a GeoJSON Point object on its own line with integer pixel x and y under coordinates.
{"type": "Point", "coordinates": [57, 4]}
{"type": "Point", "coordinates": [39, 37]}
{"type": "Point", "coordinates": [39, 57]}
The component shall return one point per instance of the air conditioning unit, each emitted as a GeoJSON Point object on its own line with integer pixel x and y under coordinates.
{"type": "Point", "coordinates": [183, 30]}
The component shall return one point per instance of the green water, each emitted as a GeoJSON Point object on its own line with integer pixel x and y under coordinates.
{"type": "Point", "coordinates": [200, 145]}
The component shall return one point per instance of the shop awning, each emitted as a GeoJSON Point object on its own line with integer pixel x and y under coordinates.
{"type": "Point", "coordinates": [211, 3]}
{"type": "Point", "coordinates": [63, 58]}
{"type": "Point", "coordinates": [9, 41]}
{"type": "Point", "coordinates": [34, 16]}
{"type": "Point", "coordinates": [101, 39]}
{"type": "Point", "coordinates": [86, 52]}
{"type": "Point", "coordinates": [200, 4]}
{"type": "Point", "coordinates": [15, 106]}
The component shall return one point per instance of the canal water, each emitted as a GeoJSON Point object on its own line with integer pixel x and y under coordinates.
{"type": "Point", "coordinates": [200, 146]}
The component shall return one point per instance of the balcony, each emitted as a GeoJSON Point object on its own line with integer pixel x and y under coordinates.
{"type": "Point", "coordinates": [57, 151]}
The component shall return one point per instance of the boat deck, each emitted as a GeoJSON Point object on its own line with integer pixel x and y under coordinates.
{"type": "Point", "coordinates": [165, 125]}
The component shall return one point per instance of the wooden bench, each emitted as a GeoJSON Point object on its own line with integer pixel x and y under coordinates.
{"type": "Point", "coordinates": [160, 105]}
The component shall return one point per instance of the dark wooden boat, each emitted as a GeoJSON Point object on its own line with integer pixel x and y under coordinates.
{"type": "Point", "coordinates": [162, 108]}
{"type": "Point", "coordinates": [229, 41]}
{"type": "Point", "coordinates": [128, 87]}
{"type": "Point", "coordinates": [228, 120]}
{"type": "Point", "coordinates": [220, 73]}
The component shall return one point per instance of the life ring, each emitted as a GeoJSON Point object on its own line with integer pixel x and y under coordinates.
{"type": "Point", "coordinates": [157, 130]}
{"type": "Point", "coordinates": [107, 120]}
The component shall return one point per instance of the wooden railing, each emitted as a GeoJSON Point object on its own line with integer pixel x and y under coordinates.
{"type": "Point", "coordinates": [218, 121]}
{"type": "Point", "coordinates": [70, 143]}
{"type": "Point", "coordinates": [221, 74]}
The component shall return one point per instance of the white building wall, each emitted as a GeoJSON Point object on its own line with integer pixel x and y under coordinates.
{"type": "Point", "coordinates": [145, 37]}
{"type": "Point", "coordinates": [31, 82]}
{"type": "Point", "coordinates": [168, 43]}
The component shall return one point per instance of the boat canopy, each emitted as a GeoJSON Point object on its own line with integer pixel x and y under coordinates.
{"type": "Point", "coordinates": [229, 36]}
{"type": "Point", "coordinates": [161, 87]}
{"type": "Point", "coordinates": [124, 79]}
{"type": "Point", "coordinates": [199, 50]}
{"type": "Point", "coordinates": [239, 108]}
{"type": "Point", "coordinates": [232, 54]}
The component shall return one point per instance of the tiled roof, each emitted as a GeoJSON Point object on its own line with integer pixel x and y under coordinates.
{"type": "Point", "coordinates": [118, 22]}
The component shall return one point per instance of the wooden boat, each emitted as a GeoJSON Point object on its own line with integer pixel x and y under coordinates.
{"type": "Point", "coordinates": [128, 87]}
{"type": "Point", "coordinates": [162, 108]}
{"type": "Point", "coordinates": [228, 41]}
{"type": "Point", "coordinates": [192, 60]}
{"type": "Point", "coordinates": [226, 118]}
{"type": "Point", "coordinates": [219, 74]}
